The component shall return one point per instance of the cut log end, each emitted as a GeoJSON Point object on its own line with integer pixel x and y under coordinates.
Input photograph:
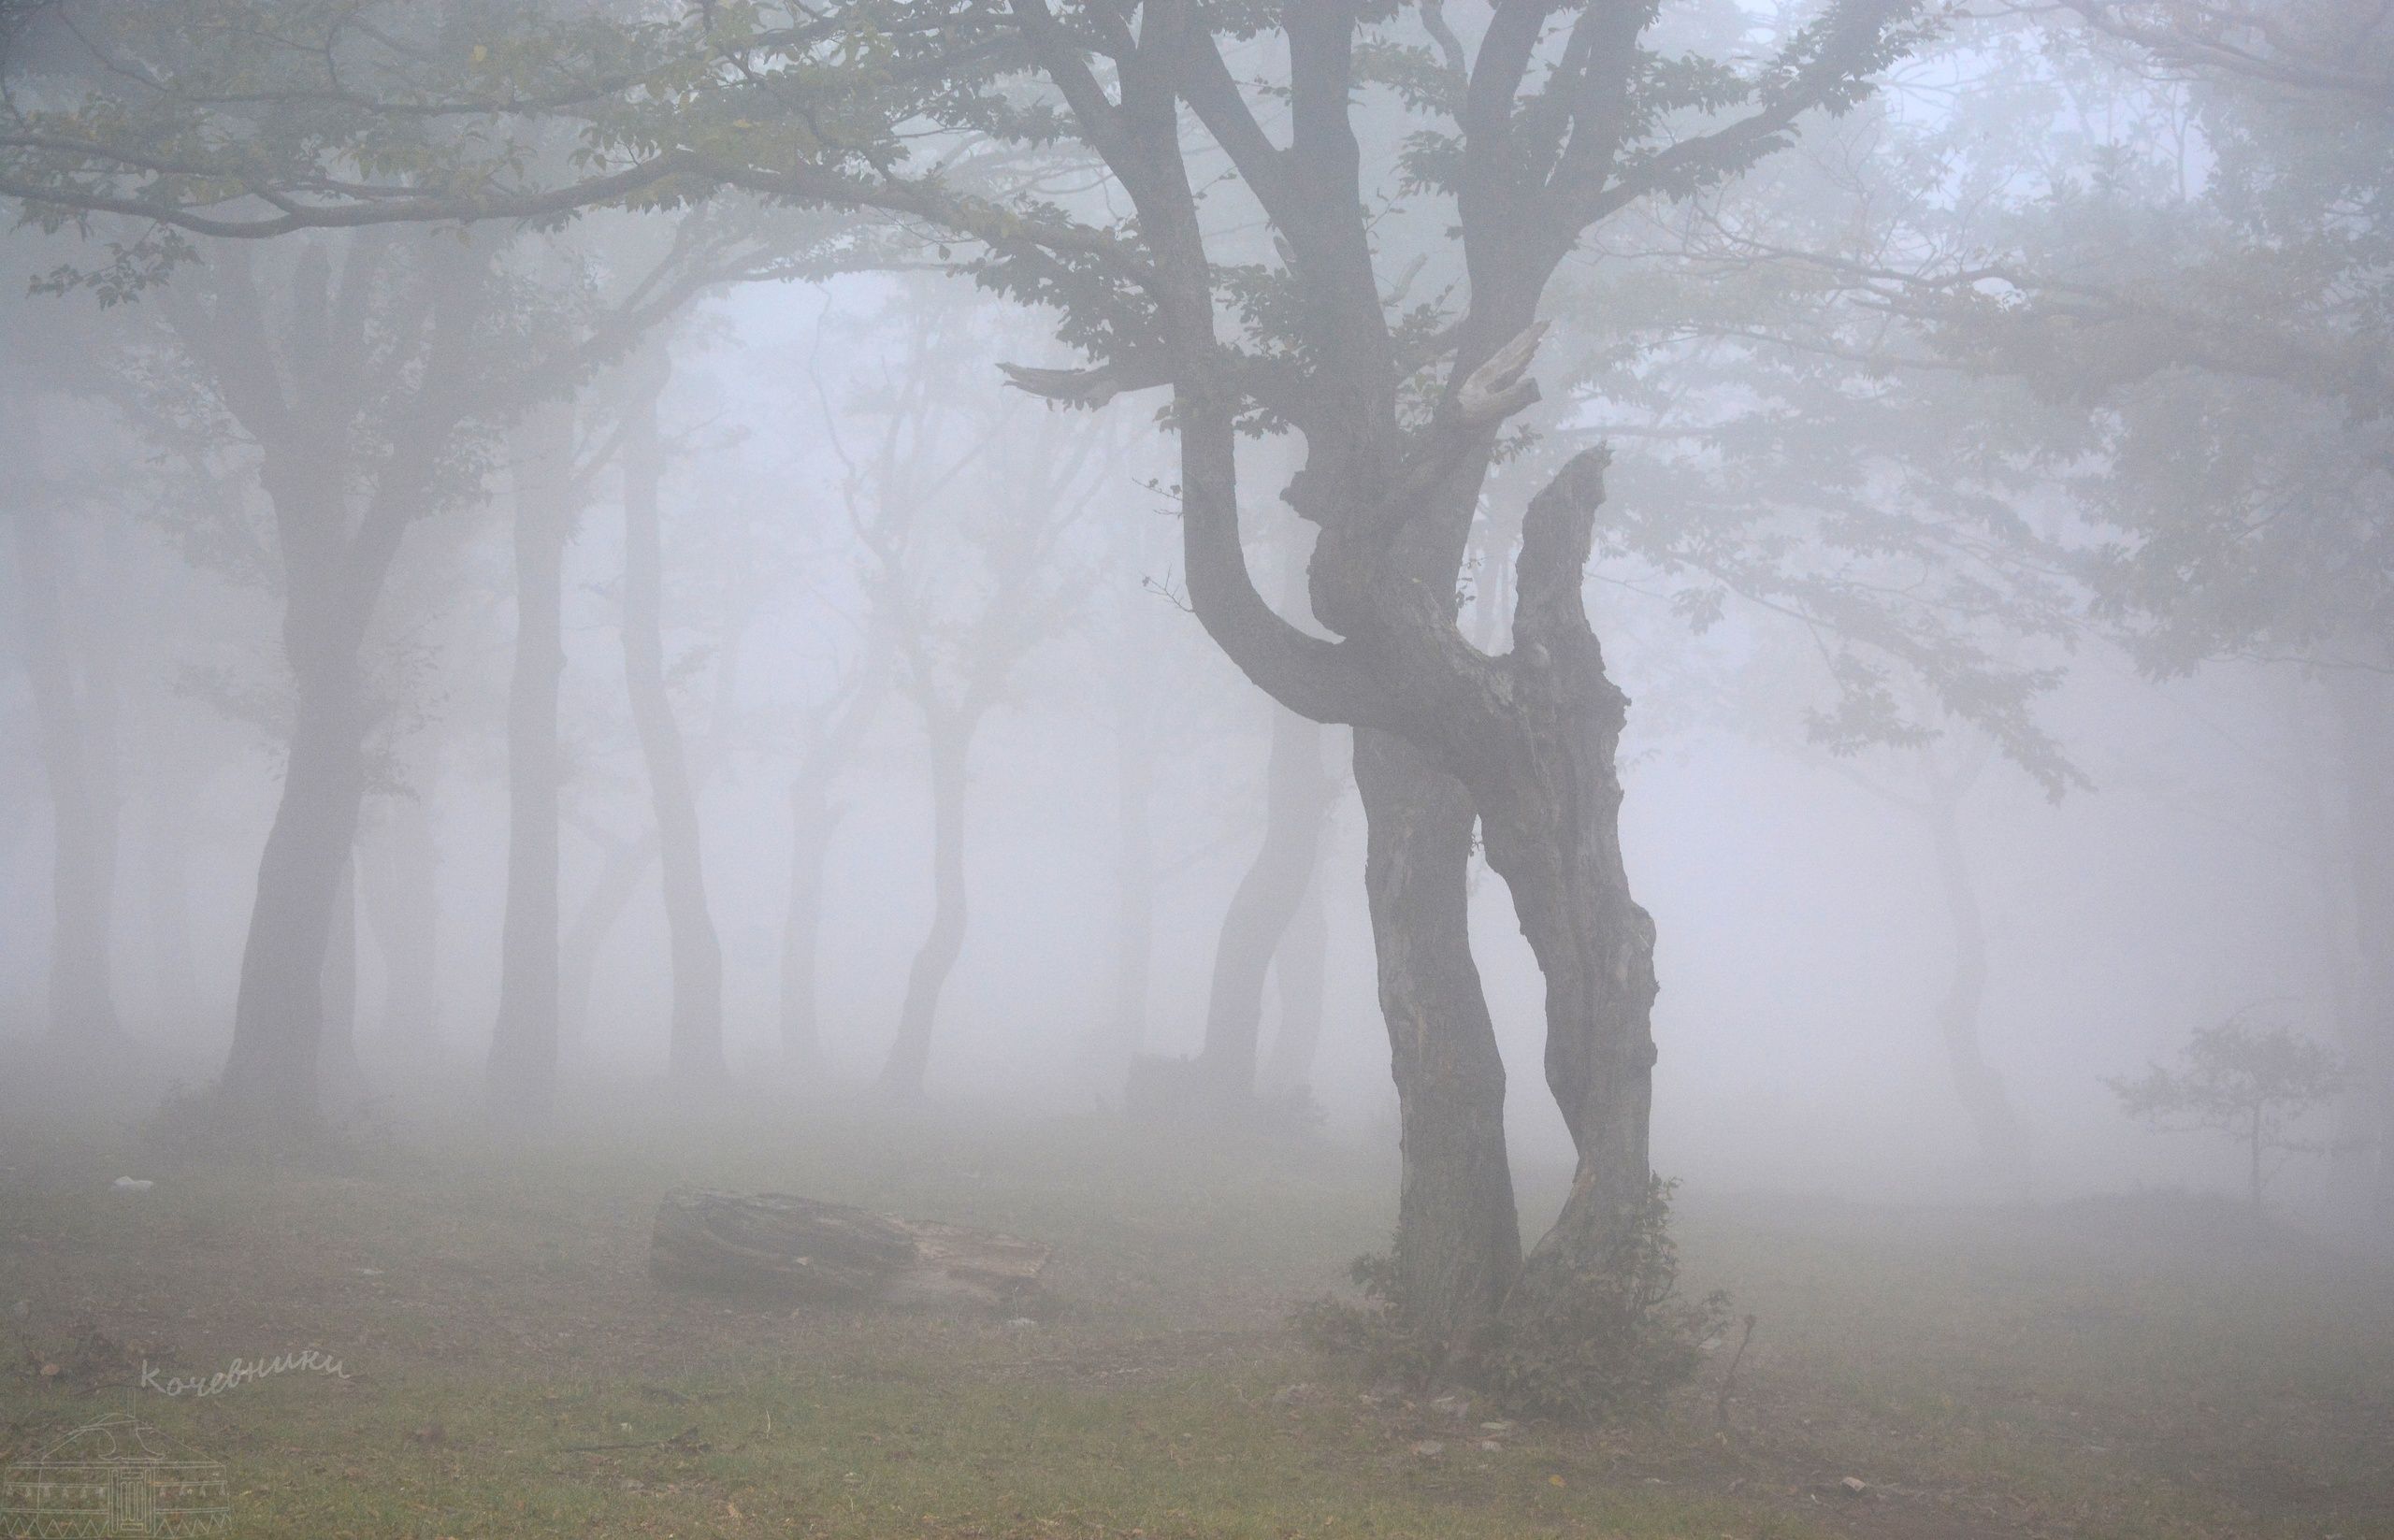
{"type": "Point", "coordinates": [782, 1250]}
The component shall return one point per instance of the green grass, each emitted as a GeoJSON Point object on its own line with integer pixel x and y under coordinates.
{"type": "Point", "coordinates": [1986, 1375]}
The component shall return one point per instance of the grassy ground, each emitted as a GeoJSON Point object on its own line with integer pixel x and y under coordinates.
{"type": "Point", "coordinates": [513, 1372]}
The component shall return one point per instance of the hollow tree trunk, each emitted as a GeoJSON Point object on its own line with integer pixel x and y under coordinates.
{"type": "Point", "coordinates": [400, 894]}
{"type": "Point", "coordinates": [620, 876]}
{"type": "Point", "coordinates": [2002, 1140]}
{"type": "Point", "coordinates": [905, 1074]}
{"type": "Point", "coordinates": [523, 1066]}
{"type": "Point", "coordinates": [1297, 798]}
{"type": "Point", "coordinates": [73, 709]}
{"type": "Point", "coordinates": [1300, 971]}
{"type": "Point", "coordinates": [1458, 1245]}
{"type": "Point", "coordinates": [278, 1015]}
{"type": "Point", "coordinates": [695, 1053]}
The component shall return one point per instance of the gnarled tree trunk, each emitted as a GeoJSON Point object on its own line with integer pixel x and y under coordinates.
{"type": "Point", "coordinates": [1458, 1247]}
{"type": "Point", "coordinates": [1542, 767]}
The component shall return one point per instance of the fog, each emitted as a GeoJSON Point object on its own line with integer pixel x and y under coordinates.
{"type": "Point", "coordinates": [1149, 629]}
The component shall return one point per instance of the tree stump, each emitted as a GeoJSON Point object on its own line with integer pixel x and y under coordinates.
{"type": "Point", "coordinates": [785, 1249]}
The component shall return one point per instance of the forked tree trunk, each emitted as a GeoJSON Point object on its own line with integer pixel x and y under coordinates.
{"type": "Point", "coordinates": [696, 1047]}
{"type": "Point", "coordinates": [1300, 977]}
{"type": "Point", "coordinates": [73, 694]}
{"type": "Point", "coordinates": [2002, 1140]}
{"type": "Point", "coordinates": [1458, 1247]}
{"type": "Point", "coordinates": [523, 1066]}
{"type": "Point", "coordinates": [1297, 801]}
{"type": "Point", "coordinates": [905, 1075]}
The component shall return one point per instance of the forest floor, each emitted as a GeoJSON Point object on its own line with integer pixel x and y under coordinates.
{"type": "Point", "coordinates": [509, 1369]}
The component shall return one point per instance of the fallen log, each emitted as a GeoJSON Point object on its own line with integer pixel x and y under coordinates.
{"type": "Point", "coordinates": [780, 1249]}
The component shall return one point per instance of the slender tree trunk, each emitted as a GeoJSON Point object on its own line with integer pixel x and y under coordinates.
{"type": "Point", "coordinates": [73, 711]}
{"type": "Point", "coordinates": [619, 879]}
{"type": "Point", "coordinates": [813, 820]}
{"type": "Point", "coordinates": [278, 1017]}
{"type": "Point", "coordinates": [814, 817]}
{"type": "Point", "coordinates": [1300, 970]}
{"type": "Point", "coordinates": [2365, 718]}
{"type": "Point", "coordinates": [400, 894]}
{"type": "Point", "coordinates": [1458, 1236]}
{"type": "Point", "coordinates": [521, 1072]}
{"type": "Point", "coordinates": [1297, 799]}
{"type": "Point", "coordinates": [2003, 1142]}
{"type": "Point", "coordinates": [696, 1051]}
{"type": "Point", "coordinates": [906, 1073]}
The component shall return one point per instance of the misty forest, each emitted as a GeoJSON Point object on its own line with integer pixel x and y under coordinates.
{"type": "Point", "coordinates": [1162, 769]}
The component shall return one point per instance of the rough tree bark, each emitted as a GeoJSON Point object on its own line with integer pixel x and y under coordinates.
{"type": "Point", "coordinates": [695, 1054]}
{"type": "Point", "coordinates": [1458, 1247]}
{"type": "Point", "coordinates": [1543, 771]}
{"type": "Point", "coordinates": [522, 1066]}
{"type": "Point", "coordinates": [68, 662]}
{"type": "Point", "coordinates": [907, 1073]}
